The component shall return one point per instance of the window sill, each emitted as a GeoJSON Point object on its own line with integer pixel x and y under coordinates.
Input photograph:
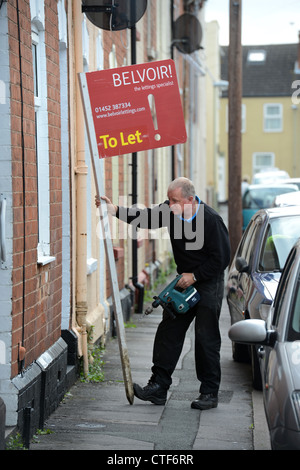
{"type": "Point", "coordinates": [91, 265]}
{"type": "Point", "coordinates": [43, 260]}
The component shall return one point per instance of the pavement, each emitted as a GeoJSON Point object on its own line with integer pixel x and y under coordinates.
{"type": "Point", "coordinates": [98, 416]}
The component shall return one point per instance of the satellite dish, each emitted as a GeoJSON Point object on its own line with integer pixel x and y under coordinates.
{"type": "Point", "coordinates": [187, 33]}
{"type": "Point", "coordinates": [114, 15]}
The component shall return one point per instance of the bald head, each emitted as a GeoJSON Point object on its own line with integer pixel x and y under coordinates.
{"type": "Point", "coordinates": [181, 195]}
{"type": "Point", "coordinates": [186, 185]}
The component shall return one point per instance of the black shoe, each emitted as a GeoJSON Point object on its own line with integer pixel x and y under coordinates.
{"type": "Point", "coordinates": [152, 392]}
{"type": "Point", "coordinates": [205, 401]}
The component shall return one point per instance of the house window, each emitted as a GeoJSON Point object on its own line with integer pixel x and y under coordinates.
{"type": "Point", "coordinates": [41, 134]}
{"type": "Point", "coordinates": [35, 68]}
{"type": "Point", "coordinates": [263, 160]}
{"type": "Point", "coordinates": [257, 56]}
{"type": "Point", "coordinates": [272, 117]}
{"type": "Point", "coordinates": [243, 118]}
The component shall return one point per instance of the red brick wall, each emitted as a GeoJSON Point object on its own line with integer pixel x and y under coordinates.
{"type": "Point", "coordinates": [119, 39]}
{"type": "Point", "coordinates": [53, 82]}
{"type": "Point", "coordinates": [36, 307]}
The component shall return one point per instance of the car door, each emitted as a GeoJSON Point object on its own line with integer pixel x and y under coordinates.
{"type": "Point", "coordinates": [233, 293]}
{"type": "Point", "coordinates": [249, 253]}
{"type": "Point", "coordinates": [272, 359]}
{"type": "Point", "coordinates": [236, 283]}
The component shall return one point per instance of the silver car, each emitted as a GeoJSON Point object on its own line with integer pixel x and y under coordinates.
{"type": "Point", "coordinates": [279, 354]}
{"type": "Point", "coordinates": [256, 269]}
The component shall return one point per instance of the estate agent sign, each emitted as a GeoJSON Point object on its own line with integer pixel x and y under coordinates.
{"type": "Point", "coordinates": [136, 108]}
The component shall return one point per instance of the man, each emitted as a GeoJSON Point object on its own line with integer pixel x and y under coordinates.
{"type": "Point", "coordinates": [201, 251]}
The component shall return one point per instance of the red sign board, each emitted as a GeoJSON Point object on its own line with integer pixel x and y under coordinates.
{"type": "Point", "coordinates": [136, 108]}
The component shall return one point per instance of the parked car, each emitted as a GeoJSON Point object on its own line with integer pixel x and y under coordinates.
{"type": "Point", "coordinates": [279, 356]}
{"type": "Point", "coordinates": [255, 271]}
{"type": "Point", "coordinates": [270, 176]}
{"type": "Point", "coordinates": [287, 199]}
{"type": "Point", "coordinates": [293, 181]}
{"type": "Point", "coordinates": [262, 197]}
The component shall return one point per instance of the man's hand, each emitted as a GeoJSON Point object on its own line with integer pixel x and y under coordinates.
{"type": "Point", "coordinates": [111, 208]}
{"type": "Point", "coordinates": [186, 280]}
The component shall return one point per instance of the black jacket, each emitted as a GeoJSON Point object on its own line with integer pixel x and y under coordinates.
{"type": "Point", "coordinates": [200, 246]}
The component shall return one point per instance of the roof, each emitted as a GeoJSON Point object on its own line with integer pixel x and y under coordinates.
{"type": "Point", "coordinates": [285, 211]}
{"type": "Point", "coordinates": [270, 77]}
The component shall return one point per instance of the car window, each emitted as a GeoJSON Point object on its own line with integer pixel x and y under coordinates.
{"type": "Point", "coordinates": [251, 200]}
{"type": "Point", "coordinates": [262, 198]}
{"type": "Point", "coordinates": [281, 291]}
{"type": "Point", "coordinates": [294, 326]}
{"type": "Point", "coordinates": [245, 249]}
{"type": "Point", "coordinates": [245, 239]}
{"type": "Point", "coordinates": [281, 235]}
{"type": "Point", "coordinates": [249, 252]}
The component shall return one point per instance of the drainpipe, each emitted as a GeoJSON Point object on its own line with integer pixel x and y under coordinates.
{"type": "Point", "coordinates": [135, 282]}
{"type": "Point", "coordinates": [172, 57]}
{"type": "Point", "coordinates": [81, 171]}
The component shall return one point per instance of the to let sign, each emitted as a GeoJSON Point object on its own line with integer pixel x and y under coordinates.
{"type": "Point", "coordinates": [136, 108]}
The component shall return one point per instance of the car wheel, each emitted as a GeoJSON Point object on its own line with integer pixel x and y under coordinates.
{"type": "Point", "coordinates": [240, 352]}
{"type": "Point", "coordinates": [256, 374]}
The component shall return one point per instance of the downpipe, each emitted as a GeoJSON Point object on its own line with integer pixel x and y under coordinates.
{"type": "Point", "coordinates": [81, 171]}
{"type": "Point", "coordinates": [136, 284]}
{"type": "Point", "coordinates": [85, 350]}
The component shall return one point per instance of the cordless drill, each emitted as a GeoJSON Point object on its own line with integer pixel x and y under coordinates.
{"type": "Point", "coordinates": [175, 300]}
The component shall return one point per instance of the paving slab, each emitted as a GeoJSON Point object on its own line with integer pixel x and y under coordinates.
{"type": "Point", "coordinates": [97, 416]}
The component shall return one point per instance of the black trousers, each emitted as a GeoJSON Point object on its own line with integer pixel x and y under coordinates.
{"type": "Point", "coordinates": [170, 336]}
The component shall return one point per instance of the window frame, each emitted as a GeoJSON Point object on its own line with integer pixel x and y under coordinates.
{"type": "Point", "coordinates": [243, 118]}
{"type": "Point", "coordinates": [273, 117]}
{"type": "Point", "coordinates": [292, 334]}
{"type": "Point", "coordinates": [41, 141]}
{"type": "Point", "coordinates": [282, 288]}
{"type": "Point", "coordinates": [256, 167]}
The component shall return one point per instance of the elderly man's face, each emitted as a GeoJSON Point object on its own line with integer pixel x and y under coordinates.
{"type": "Point", "coordinates": [180, 205]}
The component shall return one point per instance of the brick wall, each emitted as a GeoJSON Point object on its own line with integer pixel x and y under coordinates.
{"type": "Point", "coordinates": [53, 83]}
{"type": "Point", "coordinates": [119, 39]}
{"type": "Point", "coordinates": [36, 308]}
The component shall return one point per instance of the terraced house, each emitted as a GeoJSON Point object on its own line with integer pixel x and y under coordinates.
{"type": "Point", "coordinates": [56, 297]}
{"type": "Point", "coordinates": [270, 115]}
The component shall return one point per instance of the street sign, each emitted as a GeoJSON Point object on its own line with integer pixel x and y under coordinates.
{"type": "Point", "coordinates": [136, 108]}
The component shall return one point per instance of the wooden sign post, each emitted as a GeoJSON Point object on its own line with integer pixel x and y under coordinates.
{"type": "Point", "coordinates": [128, 110]}
{"type": "Point", "coordinates": [107, 241]}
